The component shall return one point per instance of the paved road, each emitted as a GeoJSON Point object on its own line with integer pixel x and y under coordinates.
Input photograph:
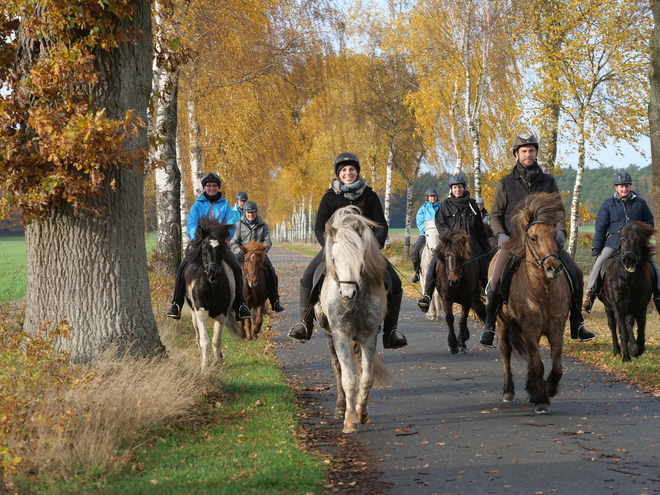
{"type": "Point", "coordinates": [440, 426]}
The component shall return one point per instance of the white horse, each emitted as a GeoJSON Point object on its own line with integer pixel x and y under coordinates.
{"type": "Point", "coordinates": [432, 239]}
{"type": "Point", "coordinates": [351, 308]}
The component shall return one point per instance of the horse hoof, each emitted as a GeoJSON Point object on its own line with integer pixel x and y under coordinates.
{"type": "Point", "coordinates": [339, 414]}
{"type": "Point", "coordinates": [542, 409]}
{"type": "Point", "coordinates": [453, 350]}
{"type": "Point", "coordinates": [509, 397]}
{"type": "Point", "coordinates": [364, 418]}
{"type": "Point", "coordinates": [462, 350]}
{"type": "Point", "coordinates": [350, 428]}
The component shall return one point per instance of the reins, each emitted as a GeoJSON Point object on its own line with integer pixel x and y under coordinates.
{"type": "Point", "coordinates": [538, 260]}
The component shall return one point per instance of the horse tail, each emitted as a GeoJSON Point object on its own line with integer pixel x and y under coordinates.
{"type": "Point", "coordinates": [234, 328]}
{"type": "Point", "coordinates": [479, 305]}
{"type": "Point", "coordinates": [382, 375]}
{"type": "Point", "coordinates": [517, 339]}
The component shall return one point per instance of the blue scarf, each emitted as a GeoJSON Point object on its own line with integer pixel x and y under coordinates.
{"type": "Point", "coordinates": [350, 191]}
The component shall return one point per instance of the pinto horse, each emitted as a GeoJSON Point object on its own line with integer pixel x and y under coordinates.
{"type": "Point", "coordinates": [351, 308]}
{"type": "Point", "coordinates": [627, 289]}
{"type": "Point", "coordinates": [210, 287]}
{"type": "Point", "coordinates": [457, 281]}
{"type": "Point", "coordinates": [254, 287]}
{"type": "Point", "coordinates": [426, 257]}
{"type": "Point", "coordinates": [539, 298]}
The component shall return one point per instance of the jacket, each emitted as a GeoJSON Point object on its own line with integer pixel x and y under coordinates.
{"type": "Point", "coordinates": [246, 232]}
{"type": "Point", "coordinates": [463, 213]}
{"type": "Point", "coordinates": [511, 190]}
{"type": "Point", "coordinates": [219, 210]}
{"type": "Point", "coordinates": [238, 212]}
{"type": "Point", "coordinates": [615, 213]}
{"type": "Point", "coordinates": [368, 202]}
{"type": "Point", "coordinates": [426, 212]}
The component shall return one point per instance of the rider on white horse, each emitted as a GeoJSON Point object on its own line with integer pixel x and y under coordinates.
{"type": "Point", "coordinates": [426, 212]}
{"type": "Point", "coordinates": [349, 188]}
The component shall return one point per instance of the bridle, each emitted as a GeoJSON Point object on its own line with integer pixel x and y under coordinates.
{"type": "Point", "coordinates": [538, 260]}
{"type": "Point", "coordinates": [459, 270]}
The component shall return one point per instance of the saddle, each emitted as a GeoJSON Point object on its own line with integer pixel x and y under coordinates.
{"type": "Point", "coordinates": [508, 270]}
{"type": "Point", "coordinates": [319, 276]}
{"type": "Point", "coordinates": [598, 286]}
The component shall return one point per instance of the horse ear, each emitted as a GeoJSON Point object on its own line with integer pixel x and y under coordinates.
{"type": "Point", "coordinates": [243, 248]}
{"type": "Point", "coordinates": [329, 230]}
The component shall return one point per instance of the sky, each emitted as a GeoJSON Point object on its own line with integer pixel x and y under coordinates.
{"type": "Point", "coordinates": [608, 156]}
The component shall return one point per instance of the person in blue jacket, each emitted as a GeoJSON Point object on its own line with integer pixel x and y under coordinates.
{"type": "Point", "coordinates": [241, 198]}
{"type": "Point", "coordinates": [211, 204]}
{"type": "Point", "coordinates": [619, 210]}
{"type": "Point", "coordinates": [426, 212]}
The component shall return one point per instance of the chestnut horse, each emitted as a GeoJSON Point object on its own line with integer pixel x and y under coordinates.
{"type": "Point", "coordinates": [254, 286]}
{"type": "Point", "coordinates": [457, 281]}
{"type": "Point", "coordinates": [539, 298]}
{"type": "Point", "coordinates": [627, 288]}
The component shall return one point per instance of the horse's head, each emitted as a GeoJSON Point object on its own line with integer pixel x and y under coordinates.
{"type": "Point", "coordinates": [212, 258]}
{"type": "Point", "coordinates": [635, 244]}
{"type": "Point", "coordinates": [453, 251]}
{"type": "Point", "coordinates": [254, 255]}
{"type": "Point", "coordinates": [541, 240]}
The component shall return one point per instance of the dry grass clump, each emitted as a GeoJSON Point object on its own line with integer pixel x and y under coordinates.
{"type": "Point", "coordinates": [57, 420]}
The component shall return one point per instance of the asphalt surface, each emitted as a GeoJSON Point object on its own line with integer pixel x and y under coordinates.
{"type": "Point", "coordinates": [440, 426]}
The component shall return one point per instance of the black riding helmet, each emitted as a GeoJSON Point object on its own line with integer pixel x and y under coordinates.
{"type": "Point", "coordinates": [431, 192]}
{"type": "Point", "coordinates": [211, 178]}
{"type": "Point", "coordinates": [346, 158]}
{"type": "Point", "coordinates": [250, 206]}
{"type": "Point", "coordinates": [622, 178]}
{"type": "Point", "coordinates": [242, 195]}
{"type": "Point", "coordinates": [457, 179]}
{"type": "Point", "coordinates": [525, 139]}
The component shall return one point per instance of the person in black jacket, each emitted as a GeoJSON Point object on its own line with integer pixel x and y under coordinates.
{"type": "Point", "coordinates": [459, 211]}
{"type": "Point", "coordinates": [349, 188]}
{"type": "Point", "coordinates": [527, 178]}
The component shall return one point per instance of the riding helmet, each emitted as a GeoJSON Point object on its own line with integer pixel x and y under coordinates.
{"type": "Point", "coordinates": [479, 200]}
{"type": "Point", "coordinates": [242, 195]}
{"type": "Point", "coordinates": [250, 206]}
{"type": "Point", "coordinates": [622, 178]}
{"type": "Point", "coordinates": [346, 158]}
{"type": "Point", "coordinates": [431, 192]}
{"type": "Point", "coordinates": [211, 178]}
{"type": "Point", "coordinates": [457, 179]}
{"type": "Point", "coordinates": [524, 140]}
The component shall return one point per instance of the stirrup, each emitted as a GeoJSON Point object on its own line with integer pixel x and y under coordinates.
{"type": "Point", "coordinates": [393, 341]}
{"type": "Point", "coordinates": [244, 312]}
{"type": "Point", "coordinates": [174, 311]}
{"type": "Point", "coordinates": [415, 278]}
{"type": "Point", "coordinates": [487, 338]}
{"type": "Point", "coordinates": [298, 332]}
{"type": "Point", "coordinates": [585, 335]}
{"type": "Point", "coordinates": [277, 306]}
{"type": "Point", "coordinates": [424, 302]}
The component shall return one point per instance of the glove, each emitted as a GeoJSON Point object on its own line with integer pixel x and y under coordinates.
{"type": "Point", "coordinates": [561, 238]}
{"type": "Point", "coordinates": [595, 252]}
{"type": "Point", "coordinates": [501, 239]}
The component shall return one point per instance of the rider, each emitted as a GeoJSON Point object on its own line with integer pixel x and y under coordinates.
{"type": "Point", "coordinates": [238, 209]}
{"type": "Point", "coordinates": [485, 216]}
{"type": "Point", "coordinates": [459, 211]}
{"type": "Point", "coordinates": [623, 207]}
{"type": "Point", "coordinates": [527, 178]}
{"type": "Point", "coordinates": [210, 203]}
{"type": "Point", "coordinates": [252, 227]}
{"type": "Point", "coordinates": [349, 188]}
{"type": "Point", "coordinates": [426, 212]}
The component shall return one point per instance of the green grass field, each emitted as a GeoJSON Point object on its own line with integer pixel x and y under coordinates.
{"type": "Point", "coordinates": [12, 269]}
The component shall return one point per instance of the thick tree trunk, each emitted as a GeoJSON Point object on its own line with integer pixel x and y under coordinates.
{"type": "Point", "coordinates": [654, 103]}
{"type": "Point", "coordinates": [91, 271]}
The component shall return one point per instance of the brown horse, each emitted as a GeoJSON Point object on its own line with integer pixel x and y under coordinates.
{"type": "Point", "coordinates": [255, 285]}
{"type": "Point", "coordinates": [627, 289]}
{"type": "Point", "coordinates": [457, 281]}
{"type": "Point", "coordinates": [539, 298]}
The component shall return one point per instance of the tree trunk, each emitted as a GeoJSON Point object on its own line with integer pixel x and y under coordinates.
{"type": "Point", "coordinates": [577, 190]}
{"type": "Point", "coordinates": [654, 103]}
{"type": "Point", "coordinates": [388, 188]}
{"type": "Point", "coordinates": [91, 271]}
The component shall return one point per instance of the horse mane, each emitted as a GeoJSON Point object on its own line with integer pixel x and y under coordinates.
{"type": "Point", "coordinates": [452, 238]}
{"type": "Point", "coordinates": [207, 228]}
{"type": "Point", "coordinates": [258, 248]}
{"type": "Point", "coordinates": [537, 207]}
{"type": "Point", "coordinates": [352, 231]}
{"type": "Point", "coordinates": [644, 231]}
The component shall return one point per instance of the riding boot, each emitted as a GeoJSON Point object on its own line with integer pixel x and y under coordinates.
{"type": "Point", "coordinates": [589, 300]}
{"type": "Point", "coordinates": [391, 338]}
{"type": "Point", "coordinates": [179, 295]}
{"type": "Point", "coordinates": [424, 302]}
{"type": "Point", "coordinates": [302, 331]}
{"type": "Point", "coordinates": [656, 286]}
{"type": "Point", "coordinates": [274, 298]}
{"type": "Point", "coordinates": [492, 307]}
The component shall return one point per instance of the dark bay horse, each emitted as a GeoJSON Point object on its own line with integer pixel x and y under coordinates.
{"type": "Point", "coordinates": [628, 287]}
{"type": "Point", "coordinates": [254, 286]}
{"type": "Point", "coordinates": [539, 298]}
{"type": "Point", "coordinates": [351, 308]}
{"type": "Point", "coordinates": [457, 281]}
{"type": "Point", "coordinates": [210, 287]}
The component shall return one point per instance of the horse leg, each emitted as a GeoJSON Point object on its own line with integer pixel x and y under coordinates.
{"type": "Point", "coordinates": [343, 346]}
{"type": "Point", "coordinates": [556, 345]}
{"type": "Point", "coordinates": [452, 341]}
{"type": "Point", "coordinates": [218, 326]}
{"type": "Point", "coordinates": [508, 394]}
{"type": "Point", "coordinates": [199, 322]}
{"type": "Point", "coordinates": [611, 323]}
{"type": "Point", "coordinates": [340, 403]}
{"type": "Point", "coordinates": [368, 351]}
{"type": "Point", "coordinates": [640, 342]}
{"type": "Point", "coordinates": [536, 385]}
{"type": "Point", "coordinates": [463, 332]}
{"type": "Point", "coordinates": [258, 318]}
{"type": "Point", "coordinates": [623, 323]}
